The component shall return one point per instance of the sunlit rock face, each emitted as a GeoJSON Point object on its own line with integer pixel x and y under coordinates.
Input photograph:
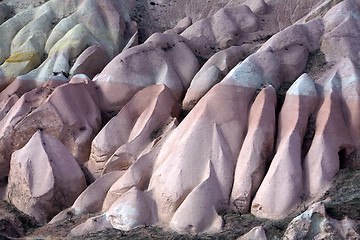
{"type": "Point", "coordinates": [176, 113]}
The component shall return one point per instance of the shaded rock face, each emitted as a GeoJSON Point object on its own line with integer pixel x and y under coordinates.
{"type": "Point", "coordinates": [172, 128]}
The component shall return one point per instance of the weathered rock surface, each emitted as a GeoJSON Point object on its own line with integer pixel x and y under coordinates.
{"type": "Point", "coordinates": [315, 224]}
{"type": "Point", "coordinates": [133, 131]}
{"type": "Point", "coordinates": [222, 30]}
{"type": "Point", "coordinates": [162, 59]}
{"type": "Point", "coordinates": [60, 31]}
{"type": "Point", "coordinates": [212, 72]}
{"type": "Point", "coordinates": [75, 124]}
{"type": "Point", "coordinates": [91, 199]}
{"type": "Point", "coordinates": [180, 111]}
{"type": "Point", "coordinates": [90, 62]}
{"type": "Point", "coordinates": [285, 172]}
{"type": "Point", "coordinates": [256, 151]}
{"type": "Point", "coordinates": [44, 177]}
{"type": "Point", "coordinates": [14, 223]}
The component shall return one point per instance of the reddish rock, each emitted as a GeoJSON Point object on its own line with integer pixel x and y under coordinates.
{"type": "Point", "coordinates": [90, 62]}
{"type": "Point", "coordinates": [213, 71]}
{"type": "Point", "coordinates": [68, 113]}
{"type": "Point", "coordinates": [162, 59]}
{"type": "Point", "coordinates": [293, 45]}
{"type": "Point", "coordinates": [133, 131]}
{"type": "Point", "coordinates": [256, 151]}
{"type": "Point", "coordinates": [91, 199]}
{"type": "Point", "coordinates": [282, 188]}
{"type": "Point", "coordinates": [20, 86]}
{"type": "Point", "coordinates": [44, 177]}
{"type": "Point", "coordinates": [332, 134]}
{"type": "Point", "coordinates": [198, 160]}
{"type": "Point", "coordinates": [225, 28]}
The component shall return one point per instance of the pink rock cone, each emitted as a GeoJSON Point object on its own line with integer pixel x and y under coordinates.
{"type": "Point", "coordinates": [322, 161]}
{"type": "Point", "coordinates": [91, 199]}
{"type": "Point", "coordinates": [199, 210]}
{"type": "Point", "coordinates": [350, 91]}
{"type": "Point", "coordinates": [20, 86]}
{"type": "Point", "coordinates": [25, 105]}
{"type": "Point", "coordinates": [256, 150]}
{"type": "Point", "coordinates": [199, 159]}
{"type": "Point", "coordinates": [44, 177]}
{"type": "Point", "coordinates": [68, 113]}
{"type": "Point", "coordinates": [133, 131]}
{"type": "Point", "coordinates": [282, 188]}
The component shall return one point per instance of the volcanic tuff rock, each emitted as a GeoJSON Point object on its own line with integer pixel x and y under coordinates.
{"type": "Point", "coordinates": [314, 223]}
{"type": "Point", "coordinates": [133, 131]}
{"type": "Point", "coordinates": [284, 174]}
{"type": "Point", "coordinates": [44, 177]}
{"type": "Point", "coordinates": [249, 106]}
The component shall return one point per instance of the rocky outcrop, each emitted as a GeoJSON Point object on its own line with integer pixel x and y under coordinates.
{"type": "Point", "coordinates": [256, 151]}
{"type": "Point", "coordinates": [212, 72]}
{"type": "Point", "coordinates": [224, 29]}
{"type": "Point", "coordinates": [60, 31]}
{"type": "Point", "coordinates": [314, 223]}
{"type": "Point", "coordinates": [44, 177]}
{"type": "Point", "coordinates": [249, 106]}
{"type": "Point", "coordinates": [90, 62]}
{"type": "Point", "coordinates": [75, 124]}
{"type": "Point", "coordinates": [162, 59]}
{"type": "Point", "coordinates": [91, 199]}
{"type": "Point", "coordinates": [133, 131]}
{"type": "Point", "coordinates": [285, 172]}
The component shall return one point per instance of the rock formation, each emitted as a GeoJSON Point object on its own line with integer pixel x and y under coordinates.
{"type": "Point", "coordinates": [314, 223]}
{"type": "Point", "coordinates": [176, 112]}
{"type": "Point", "coordinates": [44, 177]}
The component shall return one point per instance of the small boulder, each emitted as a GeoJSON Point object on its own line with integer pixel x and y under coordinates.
{"type": "Point", "coordinates": [314, 223]}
